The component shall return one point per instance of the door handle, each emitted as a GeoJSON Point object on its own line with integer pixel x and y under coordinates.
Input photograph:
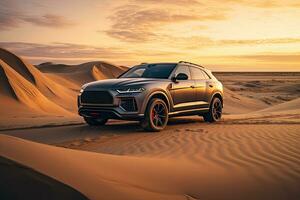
{"type": "Point", "coordinates": [192, 86]}
{"type": "Point", "coordinates": [210, 85]}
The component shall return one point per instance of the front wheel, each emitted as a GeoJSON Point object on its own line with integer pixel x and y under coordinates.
{"type": "Point", "coordinates": [215, 111]}
{"type": "Point", "coordinates": [156, 115]}
{"type": "Point", "coordinates": [95, 121]}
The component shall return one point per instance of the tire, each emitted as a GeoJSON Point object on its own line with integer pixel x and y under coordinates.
{"type": "Point", "coordinates": [156, 115]}
{"type": "Point", "coordinates": [215, 111]}
{"type": "Point", "coordinates": [95, 121]}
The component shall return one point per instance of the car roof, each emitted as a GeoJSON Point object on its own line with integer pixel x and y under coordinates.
{"type": "Point", "coordinates": [175, 63]}
{"type": "Point", "coordinates": [162, 63]}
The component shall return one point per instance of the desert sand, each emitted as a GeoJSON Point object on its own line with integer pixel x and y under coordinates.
{"type": "Point", "coordinates": [252, 154]}
{"type": "Point", "coordinates": [14, 175]}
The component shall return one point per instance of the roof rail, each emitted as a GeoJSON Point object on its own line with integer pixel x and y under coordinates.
{"type": "Point", "coordinates": [190, 63]}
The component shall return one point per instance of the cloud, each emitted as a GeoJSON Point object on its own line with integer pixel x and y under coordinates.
{"type": "Point", "coordinates": [139, 21]}
{"type": "Point", "coordinates": [72, 53]}
{"type": "Point", "coordinates": [60, 50]}
{"type": "Point", "coordinates": [48, 20]}
{"type": "Point", "coordinates": [200, 42]}
{"type": "Point", "coordinates": [133, 23]}
{"type": "Point", "coordinates": [177, 2]}
{"type": "Point", "coordinates": [278, 58]}
{"type": "Point", "coordinates": [9, 17]}
{"type": "Point", "coordinates": [267, 61]}
{"type": "Point", "coordinates": [12, 16]}
{"type": "Point", "coordinates": [268, 4]}
{"type": "Point", "coordinates": [255, 60]}
{"type": "Point", "coordinates": [260, 41]}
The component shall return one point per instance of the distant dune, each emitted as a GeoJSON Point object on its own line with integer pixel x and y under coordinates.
{"type": "Point", "coordinates": [237, 104]}
{"type": "Point", "coordinates": [292, 106]}
{"type": "Point", "coordinates": [83, 73]}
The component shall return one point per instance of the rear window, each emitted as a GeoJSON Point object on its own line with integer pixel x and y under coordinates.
{"type": "Point", "coordinates": [198, 73]}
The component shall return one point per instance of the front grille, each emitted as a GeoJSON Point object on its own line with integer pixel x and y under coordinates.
{"type": "Point", "coordinates": [129, 105]}
{"type": "Point", "coordinates": [96, 97]}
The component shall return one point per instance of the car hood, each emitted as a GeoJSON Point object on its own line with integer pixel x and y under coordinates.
{"type": "Point", "coordinates": [121, 83]}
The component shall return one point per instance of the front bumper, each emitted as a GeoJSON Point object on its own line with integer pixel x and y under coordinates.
{"type": "Point", "coordinates": [108, 112]}
{"type": "Point", "coordinates": [123, 106]}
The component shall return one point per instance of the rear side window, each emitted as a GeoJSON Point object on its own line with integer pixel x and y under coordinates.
{"type": "Point", "coordinates": [198, 74]}
{"type": "Point", "coordinates": [206, 75]}
{"type": "Point", "coordinates": [183, 69]}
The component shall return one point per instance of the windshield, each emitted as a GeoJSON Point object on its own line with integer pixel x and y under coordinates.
{"type": "Point", "coordinates": [161, 71]}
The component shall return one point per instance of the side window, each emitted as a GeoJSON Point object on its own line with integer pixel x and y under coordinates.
{"type": "Point", "coordinates": [198, 74]}
{"type": "Point", "coordinates": [205, 74]}
{"type": "Point", "coordinates": [183, 69]}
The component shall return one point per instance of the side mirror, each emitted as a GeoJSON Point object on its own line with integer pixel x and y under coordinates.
{"type": "Point", "coordinates": [180, 76]}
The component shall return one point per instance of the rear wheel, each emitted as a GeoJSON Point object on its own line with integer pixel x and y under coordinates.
{"type": "Point", "coordinates": [156, 115]}
{"type": "Point", "coordinates": [95, 121]}
{"type": "Point", "coordinates": [215, 111]}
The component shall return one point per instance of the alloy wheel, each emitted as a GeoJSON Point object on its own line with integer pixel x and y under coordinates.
{"type": "Point", "coordinates": [217, 110]}
{"type": "Point", "coordinates": [159, 115]}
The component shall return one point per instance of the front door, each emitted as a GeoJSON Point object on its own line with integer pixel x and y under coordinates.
{"type": "Point", "coordinates": [183, 91]}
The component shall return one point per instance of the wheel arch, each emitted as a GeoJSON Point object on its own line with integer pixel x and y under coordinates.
{"type": "Point", "coordinates": [218, 95]}
{"type": "Point", "coordinates": [157, 94]}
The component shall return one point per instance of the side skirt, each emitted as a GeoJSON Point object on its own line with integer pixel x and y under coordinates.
{"type": "Point", "coordinates": [189, 112]}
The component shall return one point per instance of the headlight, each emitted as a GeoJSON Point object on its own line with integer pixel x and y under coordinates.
{"type": "Point", "coordinates": [83, 87]}
{"type": "Point", "coordinates": [130, 90]}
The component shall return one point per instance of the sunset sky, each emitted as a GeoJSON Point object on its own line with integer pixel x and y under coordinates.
{"type": "Point", "coordinates": [224, 35]}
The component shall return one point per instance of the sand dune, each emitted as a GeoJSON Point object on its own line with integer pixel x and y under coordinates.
{"type": "Point", "coordinates": [36, 98]}
{"type": "Point", "coordinates": [83, 73]}
{"type": "Point", "coordinates": [25, 70]}
{"type": "Point", "coordinates": [22, 104]}
{"type": "Point", "coordinates": [49, 88]}
{"type": "Point", "coordinates": [214, 162]}
{"type": "Point", "coordinates": [271, 88]}
{"type": "Point", "coordinates": [292, 106]}
{"type": "Point", "coordinates": [49, 97]}
{"type": "Point", "coordinates": [288, 112]}
{"type": "Point", "coordinates": [17, 87]}
{"type": "Point", "coordinates": [9, 99]}
{"type": "Point", "coordinates": [28, 97]}
{"type": "Point", "coordinates": [237, 104]}
{"type": "Point", "coordinates": [38, 186]}
{"type": "Point", "coordinates": [97, 74]}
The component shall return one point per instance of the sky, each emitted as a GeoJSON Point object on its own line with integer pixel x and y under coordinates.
{"type": "Point", "coordinates": [223, 35]}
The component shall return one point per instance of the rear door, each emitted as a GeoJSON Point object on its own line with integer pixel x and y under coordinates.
{"type": "Point", "coordinates": [183, 91]}
{"type": "Point", "coordinates": [201, 84]}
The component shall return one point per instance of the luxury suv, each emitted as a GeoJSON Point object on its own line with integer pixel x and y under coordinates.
{"type": "Point", "coordinates": [151, 93]}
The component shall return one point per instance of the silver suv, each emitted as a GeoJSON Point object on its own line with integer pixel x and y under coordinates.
{"type": "Point", "coordinates": [151, 93]}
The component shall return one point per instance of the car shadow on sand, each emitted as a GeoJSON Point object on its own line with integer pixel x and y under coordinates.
{"type": "Point", "coordinates": [120, 127]}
